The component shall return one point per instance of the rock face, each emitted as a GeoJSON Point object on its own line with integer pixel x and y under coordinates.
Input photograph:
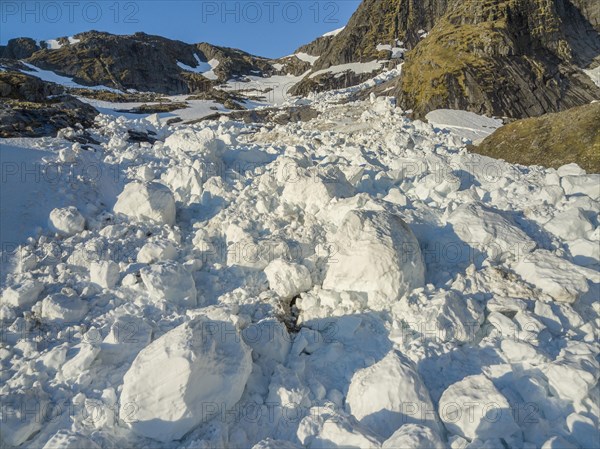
{"type": "Point", "coordinates": [144, 62]}
{"type": "Point", "coordinates": [515, 58]}
{"type": "Point", "coordinates": [552, 140]}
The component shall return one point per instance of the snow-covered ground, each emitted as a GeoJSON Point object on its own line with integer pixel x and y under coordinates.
{"type": "Point", "coordinates": [356, 281]}
{"type": "Point", "coordinates": [463, 123]}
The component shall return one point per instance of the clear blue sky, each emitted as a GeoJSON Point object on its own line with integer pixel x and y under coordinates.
{"type": "Point", "coordinates": [270, 28]}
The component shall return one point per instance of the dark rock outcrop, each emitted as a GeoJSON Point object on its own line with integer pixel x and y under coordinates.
{"type": "Point", "coordinates": [19, 48]}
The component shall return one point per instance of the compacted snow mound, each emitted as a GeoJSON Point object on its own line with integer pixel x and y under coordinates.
{"type": "Point", "coordinates": [64, 439]}
{"type": "Point", "coordinates": [175, 381]}
{"type": "Point", "coordinates": [66, 221]}
{"type": "Point", "coordinates": [171, 282]}
{"type": "Point", "coordinates": [378, 255]}
{"type": "Point", "coordinates": [288, 279]}
{"type": "Point", "coordinates": [474, 408]}
{"type": "Point", "coordinates": [388, 394]}
{"type": "Point", "coordinates": [152, 201]}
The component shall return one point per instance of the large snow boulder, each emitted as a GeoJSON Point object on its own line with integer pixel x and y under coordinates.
{"type": "Point", "coordinates": [288, 279]}
{"type": "Point", "coordinates": [151, 201]}
{"type": "Point", "coordinates": [66, 221]}
{"type": "Point", "coordinates": [414, 436]}
{"type": "Point", "coordinates": [378, 255]}
{"type": "Point", "coordinates": [474, 408]}
{"type": "Point", "coordinates": [173, 381]}
{"type": "Point", "coordinates": [388, 394]}
{"type": "Point", "coordinates": [105, 273]}
{"type": "Point", "coordinates": [171, 282]}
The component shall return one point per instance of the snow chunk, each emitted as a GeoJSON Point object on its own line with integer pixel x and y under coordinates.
{"type": "Point", "coordinates": [474, 408]}
{"type": "Point", "coordinates": [553, 275]}
{"type": "Point", "coordinates": [452, 317]}
{"type": "Point", "coordinates": [22, 295]}
{"type": "Point", "coordinates": [66, 221]}
{"type": "Point", "coordinates": [378, 255]}
{"type": "Point", "coordinates": [185, 182]}
{"type": "Point", "coordinates": [59, 307]}
{"type": "Point", "coordinates": [312, 189]}
{"type": "Point", "coordinates": [150, 201]}
{"type": "Point", "coordinates": [105, 273]}
{"type": "Point", "coordinates": [587, 185]}
{"type": "Point", "coordinates": [571, 224]}
{"type": "Point", "coordinates": [171, 380]}
{"type": "Point", "coordinates": [288, 279]}
{"type": "Point", "coordinates": [582, 371]}
{"type": "Point", "coordinates": [414, 436]}
{"type": "Point", "coordinates": [388, 394]}
{"type": "Point", "coordinates": [156, 251]}
{"type": "Point", "coordinates": [171, 282]}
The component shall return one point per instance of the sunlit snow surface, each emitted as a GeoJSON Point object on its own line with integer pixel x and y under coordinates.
{"type": "Point", "coordinates": [443, 298]}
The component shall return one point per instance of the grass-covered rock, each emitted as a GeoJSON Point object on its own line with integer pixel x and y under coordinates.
{"type": "Point", "coordinates": [551, 140]}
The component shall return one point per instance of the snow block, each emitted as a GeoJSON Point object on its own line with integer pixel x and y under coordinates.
{"type": "Point", "coordinates": [288, 279]}
{"type": "Point", "coordinates": [171, 282]}
{"type": "Point", "coordinates": [378, 255]}
{"type": "Point", "coordinates": [105, 273]}
{"type": "Point", "coordinates": [152, 201]}
{"type": "Point", "coordinates": [21, 295]}
{"type": "Point", "coordinates": [176, 382]}
{"type": "Point", "coordinates": [474, 408]}
{"type": "Point", "coordinates": [66, 221]}
{"type": "Point", "coordinates": [388, 394]}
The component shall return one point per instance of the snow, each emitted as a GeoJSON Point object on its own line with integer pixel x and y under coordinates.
{"type": "Point", "coordinates": [334, 32]}
{"type": "Point", "coordinates": [464, 123]}
{"type": "Point", "coordinates": [306, 57]}
{"type": "Point", "coordinates": [594, 74]}
{"type": "Point", "coordinates": [48, 75]}
{"type": "Point", "coordinates": [204, 68]}
{"type": "Point", "coordinates": [344, 282]}
{"type": "Point", "coordinates": [173, 381]}
{"type": "Point", "coordinates": [356, 67]}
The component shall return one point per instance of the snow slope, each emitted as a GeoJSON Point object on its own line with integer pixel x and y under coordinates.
{"type": "Point", "coordinates": [359, 280]}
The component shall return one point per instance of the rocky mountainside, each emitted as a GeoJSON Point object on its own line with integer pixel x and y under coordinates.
{"type": "Point", "coordinates": [144, 62]}
{"type": "Point", "coordinates": [514, 58]}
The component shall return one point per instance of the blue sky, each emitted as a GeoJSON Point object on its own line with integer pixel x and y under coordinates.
{"type": "Point", "coordinates": [270, 28]}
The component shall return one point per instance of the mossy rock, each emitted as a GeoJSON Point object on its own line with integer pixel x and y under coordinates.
{"type": "Point", "coordinates": [551, 140]}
